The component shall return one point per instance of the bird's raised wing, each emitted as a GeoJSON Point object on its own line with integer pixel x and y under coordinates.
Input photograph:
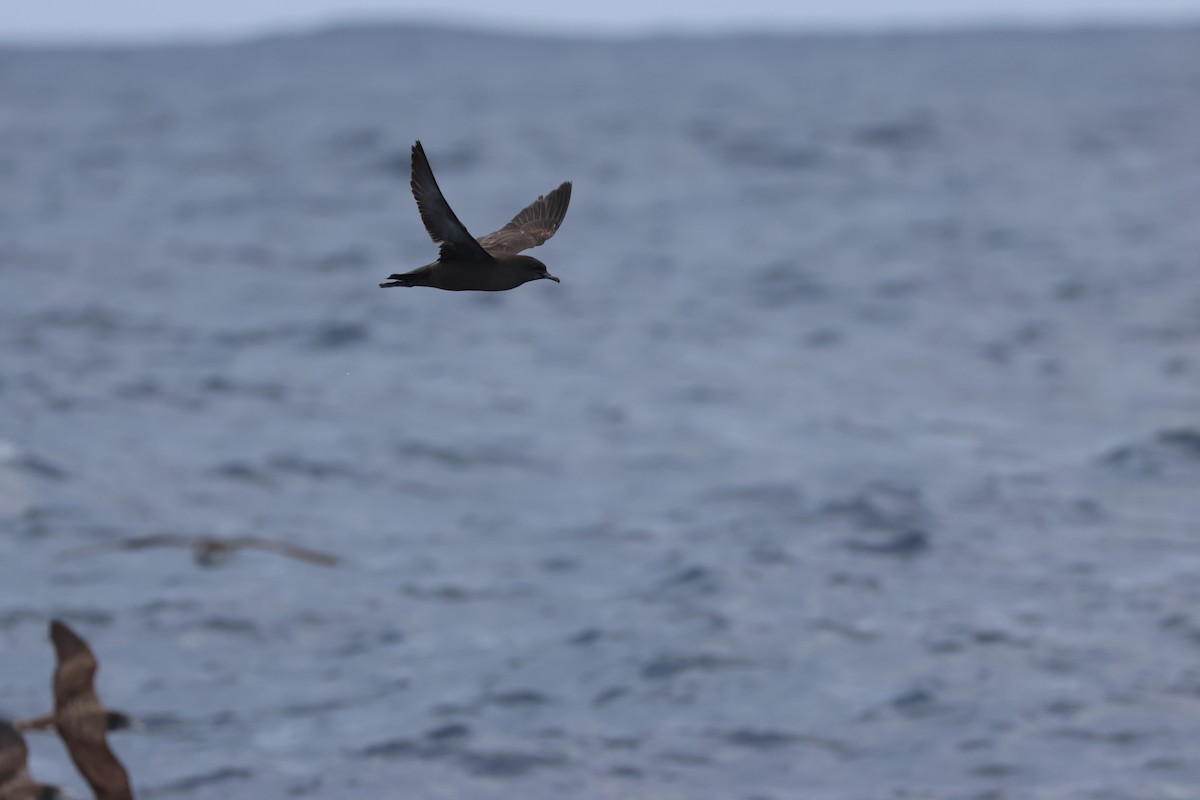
{"type": "Point", "coordinates": [443, 226]}
{"type": "Point", "coordinates": [531, 227]}
{"type": "Point", "coordinates": [131, 543]}
{"type": "Point", "coordinates": [76, 666]}
{"type": "Point", "coordinates": [287, 549]}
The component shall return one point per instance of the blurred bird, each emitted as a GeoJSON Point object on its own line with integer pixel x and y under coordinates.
{"type": "Point", "coordinates": [15, 782]}
{"type": "Point", "coordinates": [489, 263]}
{"type": "Point", "coordinates": [81, 719]}
{"type": "Point", "coordinates": [208, 551]}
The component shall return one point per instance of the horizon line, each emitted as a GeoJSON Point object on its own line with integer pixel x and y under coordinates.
{"type": "Point", "coordinates": [996, 23]}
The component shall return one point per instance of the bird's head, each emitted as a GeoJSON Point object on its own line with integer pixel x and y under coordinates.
{"type": "Point", "coordinates": [120, 721]}
{"type": "Point", "coordinates": [533, 269]}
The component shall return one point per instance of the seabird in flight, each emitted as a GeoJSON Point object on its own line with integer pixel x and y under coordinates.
{"type": "Point", "coordinates": [208, 550]}
{"type": "Point", "coordinates": [81, 719]}
{"type": "Point", "coordinates": [490, 263]}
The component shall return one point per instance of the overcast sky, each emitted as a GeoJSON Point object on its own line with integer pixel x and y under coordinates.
{"type": "Point", "coordinates": [150, 19]}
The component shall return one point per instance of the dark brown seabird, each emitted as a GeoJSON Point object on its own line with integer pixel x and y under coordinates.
{"type": "Point", "coordinates": [15, 781]}
{"type": "Point", "coordinates": [208, 550]}
{"type": "Point", "coordinates": [80, 718]}
{"type": "Point", "coordinates": [490, 263]}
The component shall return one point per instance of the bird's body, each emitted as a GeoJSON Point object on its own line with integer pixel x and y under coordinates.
{"type": "Point", "coordinates": [490, 263]}
{"type": "Point", "coordinates": [15, 781]}
{"type": "Point", "coordinates": [470, 276]}
{"type": "Point", "coordinates": [80, 719]}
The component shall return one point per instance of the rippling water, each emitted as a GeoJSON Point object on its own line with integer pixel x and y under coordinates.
{"type": "Point", "coordinates": [856, 456]}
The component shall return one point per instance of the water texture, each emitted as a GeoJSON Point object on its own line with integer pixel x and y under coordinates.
{"type": "Point", "coordinates": [857, 456]}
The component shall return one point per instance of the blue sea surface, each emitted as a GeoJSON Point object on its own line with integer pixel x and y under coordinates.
{"type": "Point", "coordinates": [857, 455]}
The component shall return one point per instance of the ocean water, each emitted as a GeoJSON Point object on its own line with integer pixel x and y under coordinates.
{"type": "Point", "coordinates": [857, 455]}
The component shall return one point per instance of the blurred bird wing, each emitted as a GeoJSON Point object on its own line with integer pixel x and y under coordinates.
{"type": "Point", "coordinates": [17, 786]}
{"type": "Point", "coordinates": [533, 226]}
{"type": "Point", "coordinates": [288, 549]}
{"type": "Point", "coordinates": [33, 724]}
{"type": "Point", "coordinates": [20, 785]}
{"type": "Point", "coordinates": [456, 241]}
{"type": "Point", "coordinates": [15, 781]}
{"type": "Point", "coordinates": [98, 766]}
{"type": "Point", "coordinates": [13, 756]}
{"type": "Point", "coordinates": [76, 668]}
{"type": "Point", "coordinates": [131, 543]}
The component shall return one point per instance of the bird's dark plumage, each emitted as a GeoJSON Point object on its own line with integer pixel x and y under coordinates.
{"type": "Point", "coordinates": [490, 263]}
{"type": "Point", "coordinates": [441, 222]}
{"type": "Point", "coordinates": [80, 719]}
{"type": "Point", "coordinates": [15, 781]}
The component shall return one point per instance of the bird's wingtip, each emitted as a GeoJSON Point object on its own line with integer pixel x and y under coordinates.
{"type": "Point", "coordinates": [66, 641]}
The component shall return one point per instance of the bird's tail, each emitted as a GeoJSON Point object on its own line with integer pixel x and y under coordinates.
{"type": "Point", "coordinates": [404, 279]}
